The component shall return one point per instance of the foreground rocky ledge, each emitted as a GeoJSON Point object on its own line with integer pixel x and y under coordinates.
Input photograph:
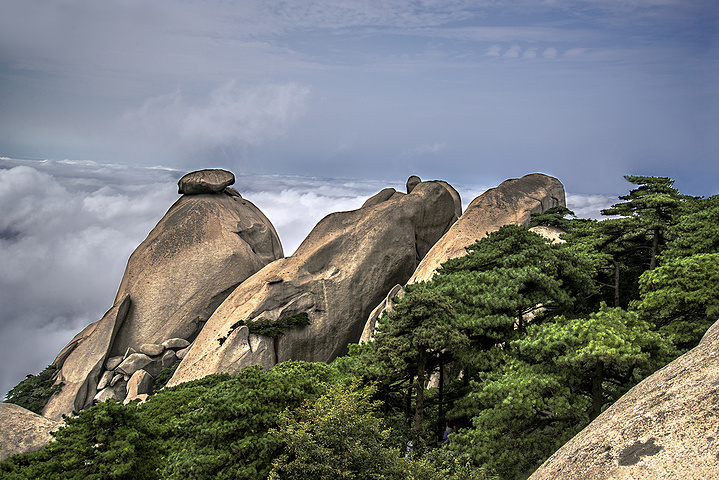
{"type": "Point", "coordinates": [666, 427]}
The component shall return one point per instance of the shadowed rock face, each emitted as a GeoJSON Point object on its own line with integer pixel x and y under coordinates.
{"type": "Point", "coordinates": [196, 255]}
{"type": "Point", "coordinates": [512, 202]}
{"type": "Point", "coordinates": [204, 246]}
{"type": "Point", "coordinates": [337, 276]}
{"type": "Point", "coordinates": [23, 431]}
{"type": "Point", "coordinates": [666, 427]}
{"type": "Point", "coordinates": [81, 363]}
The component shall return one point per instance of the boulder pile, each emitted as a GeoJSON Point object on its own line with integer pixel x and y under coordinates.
{"type": "Point", "coordinates": [131, 376]}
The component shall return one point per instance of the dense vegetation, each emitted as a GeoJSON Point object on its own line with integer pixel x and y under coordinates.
{"type": "Point", "coordinates": [513, 348]}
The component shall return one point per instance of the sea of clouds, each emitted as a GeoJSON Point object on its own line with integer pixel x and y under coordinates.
{"type": "Point", "coordinates": [67, 229]}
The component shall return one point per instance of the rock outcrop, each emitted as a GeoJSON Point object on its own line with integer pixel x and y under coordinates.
{"type": "Point", "coordinates": [336, 277]}
{"type": "Point", "coordinates": [205, 181]}
{"type": "Point", "coordinates": [512, 202]}
{"type": "Point", "coordinates": [207, 243]}
{"type": "Point", "coordinates": [81, 363]}
{"type": "Point", "coordinates": [666, 427]}
{"type": "Point", "coordinates": [23, 431]}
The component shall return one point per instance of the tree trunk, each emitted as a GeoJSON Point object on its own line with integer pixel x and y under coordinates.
{"type": "Point", "coordinates": [616, 282]}
{"type": "Point", "coordinates": [440, 417]}
{"type": "Point", "coordinates": [419, 399]}
{"type": "Point", "coordinates": [597, 391]}
{"type": "Point", "coordinates": [655, 249]}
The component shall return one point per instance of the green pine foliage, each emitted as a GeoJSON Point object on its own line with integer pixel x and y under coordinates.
{"type": "Point", "coordinates": [34, 392]}
{"type": "Point", "coordinates": [681, 298]}
{"type": "Point", "coordinates": [269, 328]}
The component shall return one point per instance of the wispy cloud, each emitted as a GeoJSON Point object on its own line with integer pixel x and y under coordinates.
{"type": "Point", "coordinates": [513, 51]}
{"type": "Point", "coordinates": [550, 52]}
{"type": "Point", "coordinates": [425, 149]}
{"type": "Point", "coordinates": [230, 115]}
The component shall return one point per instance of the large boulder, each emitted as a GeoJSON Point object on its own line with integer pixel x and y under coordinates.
{"type": "Point", "coordinates": [666, 427]}
{"type": "Point", "coordinates": [337, 276]}
{"type": "Point", "coordinates": [23, 431]}
{"type": "Point", "coordinates": [205, 181]}
{"type": "Point", "coordinates": [204, 246]}
{"type": "Point", "coordinates": [81, 363]}
{"type": "Point", "coordinates": [512, 202]}
{"type": "Point", "coordinates": [197, 254]}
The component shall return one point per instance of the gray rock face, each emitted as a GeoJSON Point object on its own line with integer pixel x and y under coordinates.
{"type": "Point", "coordinates": [116, 390]}
{"type": "Point", "coordinates": [23, 431]}
{"type": "Point", "coordinates": [337, 276]}
{"type": "Point", "coordinates": [205, 181]}
{"type": "Point", "coordinates": [151, 349]}
{"type": "Point", "coordinates": [82, 362]}
{"type": "Point", "coordinates": [133, 363]}
{"type": "Point", "coordinates": [175, 343]}
{"type": "Point", "coordinates": [196, 255]}
{"type": "Point", "coordinates": [512, 202]}
{"type": "Point", "coordinates": [140, 382]}
{"type": "Point", "coordinates": [386, 306]}
{"type": "Point", "coordinates": [666, 427]}
{"type": "Point", "coordinates": [204, 246]}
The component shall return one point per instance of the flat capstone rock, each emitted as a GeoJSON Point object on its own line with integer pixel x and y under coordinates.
{"type": "Point", "coordinates": [205, 181]}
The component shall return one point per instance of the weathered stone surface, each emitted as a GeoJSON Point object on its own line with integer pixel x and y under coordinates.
{"type": "Point", "coordinates": [455, 195]}
{"type": "Point", "coordinates": [142, 397]}
{"type": "Point", "coordinates": [118, 391]}
{"type": "Point", "coordinates": [386, 306]}
{"type": "Point", "coordinates": [176, 343]}
{"type": "Point", "coordinates": [23, 431]}
{"type": "Point", "coordinates": [205, 181]}
{"type": "Point", "coordinates": [151, 349]}
{"type": "Point", "coordinates": [337, 276]}
{"type": "Point", "coordinates": [412, 182]}
{"type": "Point", "coordinates": [203, 247]}
{"type": "Point", "coordinates": [81, 362]}
{"type": "Point", "coordinates": [512, 202]}
{"type": "Point", "coordinates": [112, 362]}
{"type": "Point", "coordinates": [133, 363]}
{"type": "Point", "coordinates": [115, 379]}
{"type": "Point", "coordinates": [666, 427]}
{"type": "Point", "coordinates": [181, 353]}
{"type": "Point", "coordinates": [105, 379]}
{"type": "Point", "coordinates": [550, 233]}
{"type": "Point", "coordinates": [140, 382]}
{"type": "Point", "coordinates": [158, 364]}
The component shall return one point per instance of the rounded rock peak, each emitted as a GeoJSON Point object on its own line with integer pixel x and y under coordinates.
{"type": "Point", "coordinates": [412, 182]}
{"type": "Point", "coordinates": [211, 180]}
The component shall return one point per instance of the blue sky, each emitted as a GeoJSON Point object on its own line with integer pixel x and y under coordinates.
{"type": "Point", "coordinates": [475, 91]}
{"type": "Point", "coordinates": [316, 105]}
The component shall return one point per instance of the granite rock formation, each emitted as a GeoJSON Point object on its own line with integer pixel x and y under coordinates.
{"type": "Point", "coordinates": [666, 427]}
{"type": "Point", "coordinates": [336, 277]}
{"type": "Point", "coordinates": [512, 202]}
{"type": "Point", "coordinates": [207, 243]}
{"type": "Point", "coordinates": [205, 181]}
{"type": "Point", "coordinates": [23, 431]}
